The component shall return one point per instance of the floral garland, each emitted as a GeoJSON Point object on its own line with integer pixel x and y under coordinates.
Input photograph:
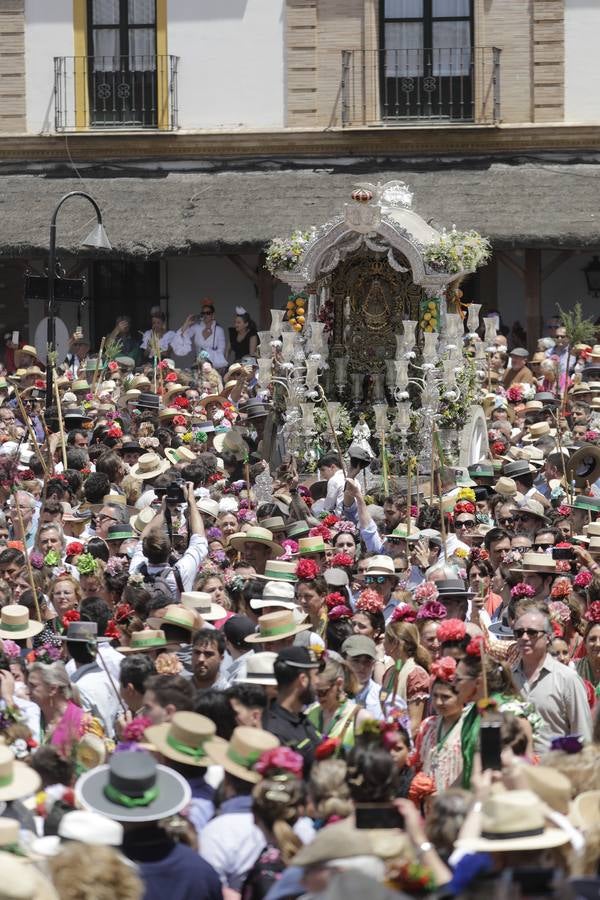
{"type": "Point", "coordinates": [285, 253]}
{"type": "Point", "coordinates": [457, 251]}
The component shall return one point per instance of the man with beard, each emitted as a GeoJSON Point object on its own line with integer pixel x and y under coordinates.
{"type": "Point", "coordinates": [208, 648]}
{"type": "Point", "coordinates": [295, 670]}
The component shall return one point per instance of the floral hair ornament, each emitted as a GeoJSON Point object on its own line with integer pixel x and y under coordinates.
{"type": "Point", "coordinates": [568, 743]}
{"type": "Point", "coordinates": [281, 761]}
{"type": "Point", "coordinates": [522, 591]}
{"type": "Point", "coordinates": [330, 520]}
{"type": "Point", "coordinates": [117, 565]}
{"type": "Point", "coordinates": [307, 569]}
{"type": "Point", "coordinates": [559, 612]}
{"type": "Point", "coordinates": [583, 579]}
{"type": "Point", "coordinates": [74, 548]}
{"type": "Point", "coordinates": [71, 615]}
{"type": "Point", "coordinates": [404, 613]}
{"type": "Point", "coordinates": [561, 588]}
{"type": "Point", "coordinates": [425, 592]}
{"type": "Point", "coordinates": [344, 526]}
{"type": "Point", "coordinates": [593, 612]}
{"type": "Point", "coordinates": [339, 612]}
{"type": "Point", "coordinates": [432, 609]}
{"type": "Point", "coordinates": [335, 599]}
{"type": "Point", "coordinates": [86, 564]}
{"type": "Point", "coordinates": [321, 531]}
{"type": "Point", "coordinates": [10, 648]}
{"type": "Point", "coordinates": [443, 669]}
{"type": "Point", "coordinates": [341, 561]}
{"type": "Point", "coordinates": [475, 647]}
{"type": "Point", "coordinates": [369, 601]}
{"type": "Point", "coordinates": [464, 506]}
{"type": "Point", "coordinates": [451, 630]}
{"type": "Point", "coordinates": [52, 558]}
{"type": "Point", "coordinates": [466, 494]}
{"type": "Point", "coordinates": [37, 560]}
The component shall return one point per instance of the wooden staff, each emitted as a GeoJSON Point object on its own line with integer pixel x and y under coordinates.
{"type": "Point", "coordinates": [110, 678]}
{"type": "Point", "coordinates": [418, 492]}
{"type": "Point", "coordinates": [247, 477]}
{"type": "Point", "coordinates": [98, 362]}
{"type": "Point", "coordinates": [61, 425]}
{"type": "Point", "coordinates": [31, 432]}
{"type": "Point", "coordinates": [50, 454]}
{"type": "Point", "coordinates": [562, 457]}
{"type": "Point", "coordinates": [335, 437]}
{"type": "Point", "coordinates": [27, 559]}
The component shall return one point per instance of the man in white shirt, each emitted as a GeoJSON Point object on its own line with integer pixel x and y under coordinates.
{"type": "Point", "coordinates": [99, 696]}
{"type": "Point", "coordinates": [331, 472]}
{"type": "Point", "coordinates": [204, 335]}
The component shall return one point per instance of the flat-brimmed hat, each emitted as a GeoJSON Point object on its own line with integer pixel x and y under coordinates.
{"type": "Point", "coordinates": [201, 602]}
{"type": "Point", "coordinates": [176, 614]}
{"type": "Point", "coordinates": [297, 530]}
{"type": "Point", "coordinates": [81, 632]}
{"type": "Point", "coordinates": [338, 841]}
{"type": "Point", "coordinates": [538, 430]}
{"type": "Point", "coordinates": [130, 447]}
{"type": "Point", "coordinates": [276, 626]}
{"type": "Point", "coordinates": [120, 533]}
{"type": "Point", "coordinates": [518, 468]}
{"type": "Point", "coordinates": [90, 828]}
{"type": "Point", "coordinates": [381, 565]}
{"type": "Point", "coordinates": [242, 752]}
{"type": "Point", "coordinates": [482, 469]}
{"type": "Point", "coordinates": [533, 562]}
{"type": "Point", "coordinates": [453, 587]}
{"type": "Point", "coordinates": [533, 508]}
{"type": "Point", "coordinates": [16, 625]}
{"type": "Point", "coordinates": [407, 534]}
{"type": "Point", "coordinates": [208, 507]}
{"type": "Point", "coordinates": [311, 544]}
{"type": "Point", "coordinates": [144, 641]}
{"type": "Point", "coordinates": [232, 442]}
{"type": "Point", "coordinates": [184, 738]}
{"type": "Point", "coordinates": [513, 821]}
{"type": "Point", "coordinates": [278, 595]}
{"type": "Point", "coordinates": [17, 779]}
{"type": "Point", "coordinates": [505, 486]}
{"type": "Point", "coordinates": [149, 465]}
{"type": "Point", "coordinates": [80, 384]}
{"type": "Point", "coordinates": [336, 577]}
{"type": "Point", "coordinates": [585, 809]}
{"type": "Point", "coordinates": [170, 412]}
{"type": "Point", "coordinates": [142, 518]}
{"type": "Point", "coordinates": [279, 570]}
{"type": "Point", "coordinates": [273, 523]}
{"type": "Point", "coordinates": [256, 535]}
{"type": "Point", "coordinates": [177, 455]}
{"type": "Point", "coordinates": [255, 408]}
{"type": "Point", "coordinates": [583, 501]}
{"type": "Point", "coordinates": [259, 669]}
{"type": "Point", "coordinates": [125, 362]}
{"type": "Point", "coordinates": [583, 467]}
{"type": "Point", "coordinates": [148, 400]}
{"type": "Point", "coordinates": [172, 389]}
{"type": "Point", "coordinates": [133, 788]}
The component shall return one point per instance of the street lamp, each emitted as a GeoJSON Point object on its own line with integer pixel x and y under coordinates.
{"type": "Point", "coordinates": [97, 240]}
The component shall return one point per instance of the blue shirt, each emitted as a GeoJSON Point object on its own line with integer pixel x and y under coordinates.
{"type": "Point", "coordinates": [170, 870]}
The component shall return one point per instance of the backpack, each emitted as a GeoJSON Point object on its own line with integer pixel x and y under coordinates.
{"type": "Point", "coordinates": [158, 581]}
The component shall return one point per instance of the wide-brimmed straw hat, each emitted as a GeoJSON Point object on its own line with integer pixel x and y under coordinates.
{"type": "Point", "coordinates": [513, 821]}
{"type": "Point", "coordinates": [184, 738]}
{"type": "Point", "coordinates": [275, 593]}
{"type": "Point", "coordinates": [279, 570]}
{"type": "Point", "coordinates": [538, 430]}
{"type": "Point", "coordinates": [232, 441]}
{"type": "Point", "coordinates": [133, 788]}
{"type": "Point", "coordinates": [143, 641]}
{"type": "Point", "coordinates": [17, 780]}
{"type": "Point", "coordinates": [176, 614]}
{"type": "Point", "coordinates": [149, 465]}
{"type": "Point", "coordinates": [533, 508]}
{"type": "Point", "coordinates": [202, 603]}
{"type": "Point", "coordinates": [259, 669]}
{"type": "Point", "coordinates": [208, 507]}
{"type": "Point", "coordinates": [276, 626]}
{"type": "Point", "coordinates": [179, 455]}
{"type": "Point", "coordinates": [16, 625]}
{"type": "Point", "coordinates": [536, 562]}
{"type": "Point", "coordinates": [242, 752]}
{"type": "Point", "coordinates": [312, 544]}
{"type": "Point", "coordinates": [256, 535]}
{"type": "Point", "coordinates": [381, 565]}
{"type": "Point", "coordinates": [583, 467]}
{"type": "Point", "coordinates": [142, 518]}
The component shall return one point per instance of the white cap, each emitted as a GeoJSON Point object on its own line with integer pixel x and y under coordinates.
{"type": "Point", "coordinates": [90, 828]}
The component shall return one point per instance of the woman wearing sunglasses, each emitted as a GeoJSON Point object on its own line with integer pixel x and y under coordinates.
{"type": "Point", "coordinates": [202, 333]}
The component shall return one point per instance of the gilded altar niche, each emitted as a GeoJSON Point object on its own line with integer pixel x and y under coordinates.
{"type": "Point", "coordinates": [370, 301]}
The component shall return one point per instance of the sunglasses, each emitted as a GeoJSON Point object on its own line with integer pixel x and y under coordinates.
{"type": "Point", "coordinates": [464, 523]}
{"type": "Point", "coordinates": [541, 547]}
{"type": "Point", "coordinates": [506, 521]}
{"type": "Point", "coordinates": [375, 579]}
{"type": "Point", "coordinates": [530, 632]}
{"type": "Point", "coordinates": [207, 312]}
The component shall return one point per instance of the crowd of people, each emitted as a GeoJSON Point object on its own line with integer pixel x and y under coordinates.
{"type": "Point", "coordinates": [223, 678]}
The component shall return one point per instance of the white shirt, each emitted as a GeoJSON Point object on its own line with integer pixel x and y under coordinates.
{"type": "Point", "coordinates": [188, 566]}
{"type": "Point", "coordinates": [164, 342]}
{"type": "Point", "coordinates": [111, 660]}
{"type": "Point", "coordinates": [333, 501]}
{"type": "Point", "coordinates": [214, 344]}
{"type": "Point", "coordinates": [231, 843]}
{"type": "Point", "coordinates": [97, 694]}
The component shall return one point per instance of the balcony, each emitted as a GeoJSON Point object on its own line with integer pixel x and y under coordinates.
{"type": "Point", "coordinates": [108, 92]}
{"type": "Point", "coordinates": [441, 86]}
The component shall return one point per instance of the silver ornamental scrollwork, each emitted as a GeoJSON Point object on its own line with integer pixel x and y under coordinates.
{"type": "Point", "coordinates": [394, 262]}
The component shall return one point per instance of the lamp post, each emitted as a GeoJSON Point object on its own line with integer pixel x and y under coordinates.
{"type": "Point", "coordinates": [96, 239]}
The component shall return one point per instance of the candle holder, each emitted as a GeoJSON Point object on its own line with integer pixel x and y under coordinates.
{"type": "Point", "coordinates": [333, 408]}
{"type": "Point", "coordinates": [358, 382]}
{"type": "Point", "coordinates": [308, 416]}
{"type": "Point", "coordinates": [410, 327]}
{"type": "Point", "coordinates": [454, 326]}
{"type": "Point", "coordinates": [341, 366]}
{"type": "Point", "coordinates": [317, 330]}
{"type": "Point", "coordinates": [288, 348]}
{"type": "Point", "coordinates": [276, 323]}
{"type": "Point", "coordinates": [473, 317]}
{"type": "Point", "coordinates": [264, 372]}
{"type": "Point", "coordinates": [401, 374]}
{"type": "Point", "coordinates": [264, 347]}
{"type": "Point", "coordinates": [490, 330]}
{"type": "Point", "coordinates": [430, 342]}
{"type": "Point", "coordinates": [312, 373]}
{"type": "Point", "coordinates": [390, 373]}
{"type": "Point", "coordinates": [381, 417]}
{"type": "Point", "coordinates": [379, 388]}
{"type": "Point", "coordinates": [400, 345]}
{"type": "Point", "coordinates": [403, 416]}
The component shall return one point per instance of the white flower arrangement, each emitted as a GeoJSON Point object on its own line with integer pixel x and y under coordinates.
{"type": "Point", "coordinates": [457, 251]}
{"type": "Point", "coordinates": [285, 253]}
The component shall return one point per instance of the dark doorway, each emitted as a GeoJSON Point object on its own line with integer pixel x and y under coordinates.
{"type": "Point", "coordinates": [124, 287]}
{"type": "Point", "coordinates": [427, 60]}
{"type": "Point", "coordinates": [122, 63]}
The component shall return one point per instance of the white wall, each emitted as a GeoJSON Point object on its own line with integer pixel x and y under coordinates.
{"type": "Point", "coordinates": [582, 72]}
{"type": "Point", "coordinates": [48, 33]}
{"type": "Point", "coordinates": [231, 68]}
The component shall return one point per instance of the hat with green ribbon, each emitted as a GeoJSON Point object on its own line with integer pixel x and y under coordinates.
{"type": "Point", "coordinates": [15, 623]}
{"type": "Point", "coordinates": [184, 738]}
{"type": "Point", "coordinates": [275, 626]}
{"type": "Point", "coordinates": [133, 788]}
{"type": "Point", "coordinates": [141, 641]}
{"type": "Point", "coordinates": [240, 755]}
{"type": "Point", "coordinates": [17, 779]}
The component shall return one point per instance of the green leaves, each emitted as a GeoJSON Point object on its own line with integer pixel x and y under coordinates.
{"type": "Point", "coordinates": [579, 330]}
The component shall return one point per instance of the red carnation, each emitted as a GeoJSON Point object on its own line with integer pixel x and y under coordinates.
{"type": "Point", "coordinates": [443, 669]}
{"type": "Point", "coordinates": [583, 579]}
{"type": "Point", "coordinates": [39, 384]}
{"type": "Point", "coordinates": [178, 420]}
{"type": "Point", "coordinates": [114, 431]}
{"type": "Point", "coordinates": [181, 402]}
{"type": "Point", "coordinates": [563, 511]}
{"type": "Point", "coordinates": [335, 599]}
{"type": "Point", "coordinates": [163, 364]}
{"type": "Point", "coordinates": [330, 520]}
{"type": "Point", "coordinates": [74, 548]}
{"type": "Point", "coordinates": [339, 612]}
{"type": "Point", "coordinates": [171, 377]}
{"type": "Point", "coordinates": [369, 601]}
{"type": "Point", "coordinates": [404, 613]}
{"type": "Point", "coordinates": [71, 615]}
{"type": "Point", "coordinates": [307, 569]}
{"type": "Point", "coordinates": [321, 531]}
{"type": "Point", "coordinates": [111, 631]}
{"type": "Point", "coordinates": [498, 448]}
{"type": "Point", "coordinates": [451, 630]}
{"type": "Point", "coordinates": [113, 366]}
{"type": "Point", "coordinates": [593, 612]}
{"type": "Point", "coordinates": [557, 629]}
{"type": "Point", "coordinates": [341, 561]}
{"type": "Point", "coordinates": [464, 506]}
{"type": "Point", "coordinates": [475, 646]}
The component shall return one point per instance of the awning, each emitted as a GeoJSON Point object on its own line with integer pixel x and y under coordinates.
{"type": "Point", "coordinates": [543, 205]}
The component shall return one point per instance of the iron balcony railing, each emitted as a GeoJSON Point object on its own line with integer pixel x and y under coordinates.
{"type": "Point", "coordinates": [95, 92]}
{"type": "Point", "coordinates": [416, 86]}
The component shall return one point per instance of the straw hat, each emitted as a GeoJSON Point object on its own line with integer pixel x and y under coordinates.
{"type": "Point", "coordinates": [149, 465]}
{"type": "Point", "coordinates": [22, 881]}
{"type": "Point", "coordinates": [505, 486]}
{"type": "Point", "coordinates": [275, 593]}
{"type": "Point", "coordinates": [170, 412]}
{"type": "Point", "coordinates": [592, 529]}
{"type": "Point", "coordinates": [172, 389]}
{"type": "Point", "coordinates": [585, 809]}
{"type": "Point", "coordinates": [133, 788]}
{"type": "Point", "coordinates": [273, 523]}
{"type": "Point", "coordinates": [232, 441]}
{"type": "Point", "coordinates": [538, 430]}
{"type": "Point", "coordinates": [139, 382]}
{"type": "Point", "coordinates": [584, 466]}
{"type": "Point", "coordinates": [179, 455]}
{"type": "Point", "coordinates": [311, 544]}
{"type": "Point", "coordinates": [533, 508]}
{"type": "Point", "coordinates": [512, 821]}
{"type": "Point", "coordinates": [208, 507]}
{"type": "Point", "coordinates": [276, 626]}
{"type": "Point", "coordinates": [142, 518]}
{"type": "Point", "coordinates": [17, 779]}
{"type": "Point", "coordinates": [184, 738]}
{"type": "Point", "coordinates": [142, 641]}
{"type": "Point", "coordinates": [536, 562]}
{"type": "Point", "coordinates": [243, 751]}
{"type": "Point", "coordinates": [16, 625]}
{"type": "Point", "coordinates": [279, 570]}
{"type": "Point", "coordinates": [256, 535]}
{"type": "Point", "coordinates": [381, 565]}
{"type": "Point", "coordinates": [202, 603]}
{"type": "Point", "coordinates": [259, 669]}
{"type": "Point", "coordinates": [594, 545]}
{"type": "Point", "coordinates": [176, 614]}
{"type": "Point", "coordinates": [406, 534]}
